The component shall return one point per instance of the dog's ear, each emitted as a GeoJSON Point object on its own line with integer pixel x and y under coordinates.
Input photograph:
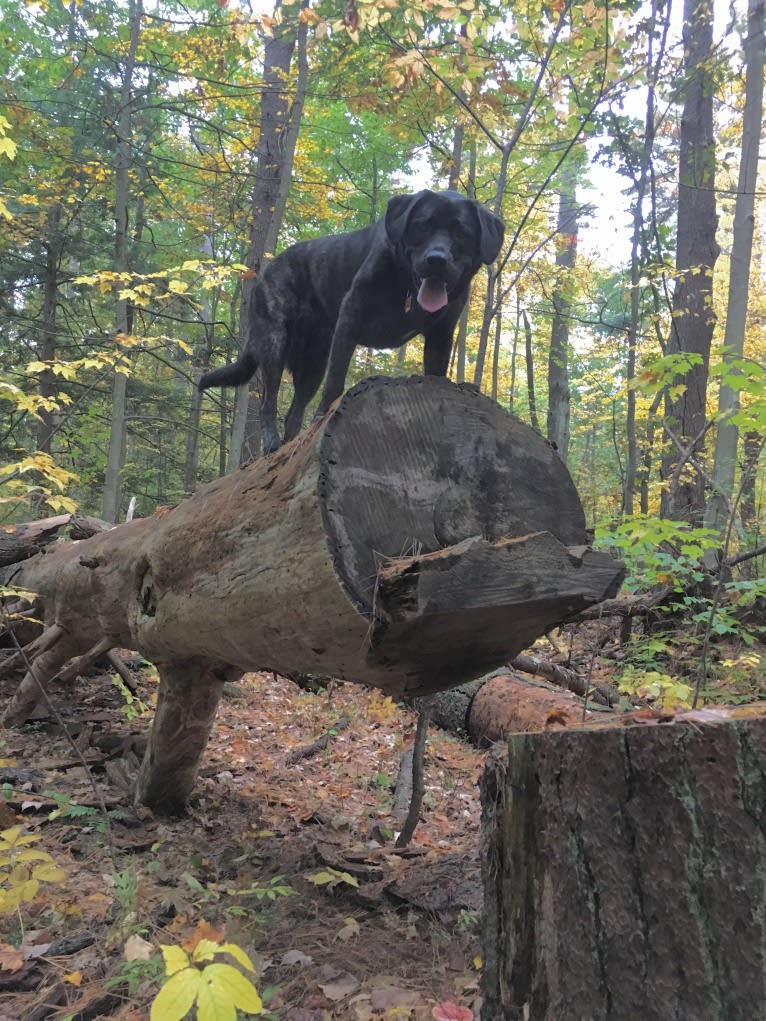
{"type": "Point", "coordinates": [398, 213]}
{"type": "Point", "coordinates": [492, 232]}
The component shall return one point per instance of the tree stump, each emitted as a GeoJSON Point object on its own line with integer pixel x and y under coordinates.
{"type": "Point", "coordinates": [415, 538]}
{"type": "Point", "coordinates": [625, 873]}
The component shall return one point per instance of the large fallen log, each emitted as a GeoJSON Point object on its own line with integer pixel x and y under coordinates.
{"type": "Point", "coordinates": [19, 542]}
{"type": "Point", "coordinates": [417, 537]}
{"type": "Point", "coordinates": [624, 871]}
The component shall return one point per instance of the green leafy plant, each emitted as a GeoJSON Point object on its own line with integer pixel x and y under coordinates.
{"type": "Point", "coordinates": [203, 981]}
{"type": "Point", "coordinates": [660, 688]}
{"type": "Point", "coordinates": [276, 887]}
{"type": "Point", "coordinates": [67, 809]}
{"type": "Point", "coordinates": [133, 706]}
{"type": "Point", "coordinates": [133, 974]}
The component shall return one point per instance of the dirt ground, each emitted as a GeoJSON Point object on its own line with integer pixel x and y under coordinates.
{"type": "Point", "coordinates": [382, 933]}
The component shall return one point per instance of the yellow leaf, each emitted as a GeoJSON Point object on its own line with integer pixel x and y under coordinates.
{"type": "Point", "coordinates": [74, 978]}
{"type": "Point", "coordinates": [223, 990]}
{"type": "Point", "coordinates": [49, 873]}
{"type": "Point", "coordinates": [177, 996]}
{"type": "Point", "coordinates": [175, 959]}
{"type": "Point", "coordinates": [33, 854]}
{"type": "Point", "coordinates": [15, 837]}
{"type": "Point", "coordinates": [178, 287]}
{"type": "Point", "coordinates": [205, 950]}
{"type": "Point", "coordinates": [238, 954]}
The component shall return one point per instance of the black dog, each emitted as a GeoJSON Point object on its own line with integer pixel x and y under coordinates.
{"type": "Point", "coordinates": [409, 273]}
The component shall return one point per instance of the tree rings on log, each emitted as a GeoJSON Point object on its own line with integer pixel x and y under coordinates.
{"type": "Point", "coordinates": [413, 465]}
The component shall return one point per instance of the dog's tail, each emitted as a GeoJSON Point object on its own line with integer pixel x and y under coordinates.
{"type": "Point", "coordinates": [231, 375]}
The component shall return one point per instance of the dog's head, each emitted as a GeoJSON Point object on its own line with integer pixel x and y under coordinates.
{"type": "Point", "coordinates": [444, 237]}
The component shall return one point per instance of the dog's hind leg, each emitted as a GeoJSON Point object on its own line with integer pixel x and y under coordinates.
{"type": "Point", "coordinates": [271, 375]}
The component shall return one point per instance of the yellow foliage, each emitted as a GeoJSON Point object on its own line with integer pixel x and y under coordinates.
{"type": "Point", "coordinates": [23, 868]}
{"type": "Point", "coordinates": [216, 988]}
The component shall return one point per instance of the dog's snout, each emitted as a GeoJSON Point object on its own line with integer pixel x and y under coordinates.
{"type": "Point", "coordinates": [436, 260]}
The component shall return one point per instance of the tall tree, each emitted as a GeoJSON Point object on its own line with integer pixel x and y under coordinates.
{"type": "Point", "coordinates": [278, 132]}
{"type": "Point", "coordinates": [558, 352]}
{"type": "Point", "coordinates": [739, 272]}
{"type": "Point", "coordinates": [693, 316]}
{"type": "Point", "coordinates": [123, 127]}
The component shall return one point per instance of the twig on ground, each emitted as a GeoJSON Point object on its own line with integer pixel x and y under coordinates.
{"type": "Point", "coordinates": [307, 750]}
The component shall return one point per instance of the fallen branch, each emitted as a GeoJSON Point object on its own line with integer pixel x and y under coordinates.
{"type": "Point", "coordinates": [307, 750]}
{"type": "Point", "coordinates": [605, 694]}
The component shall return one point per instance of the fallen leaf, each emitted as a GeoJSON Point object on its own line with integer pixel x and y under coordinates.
{"type": "Point", "coordinates": [296, 957]}
{"type": "Point", "coordinates": [137, 948]}
{"type": "Point", "coordinates": [340, 986]}
{"type": "Point", "coordinates": [203, 931]}
{"type": "Point", "coordinates": [451, 1012]}
{"type": "Point", "coordinates": [74, 978]}
{"type": "Point", "coordinates": [391, 997]}
{"type": "Point", "coordinates": [11, 959]}
{"type": "Point", "coordinates": [349, 930]}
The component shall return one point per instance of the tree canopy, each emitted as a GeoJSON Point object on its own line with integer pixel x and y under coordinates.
{"type": "Point", "coordinates": [132, 142]}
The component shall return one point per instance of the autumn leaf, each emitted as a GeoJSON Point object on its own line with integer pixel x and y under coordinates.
{"type": "Point", "coordinates": [451, 1012]}
{"type": "Point", "coordinates": [203, 931]}
{"type": "Point", "coordinates": [178, 995]}
{"type": "Point", "coordinates": [331, 877]}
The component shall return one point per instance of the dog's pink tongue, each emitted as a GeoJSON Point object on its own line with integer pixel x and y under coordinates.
{"type": "Point", "coordinates": [432, 294]}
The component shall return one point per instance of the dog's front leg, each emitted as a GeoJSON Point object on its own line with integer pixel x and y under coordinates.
{"type": "Point", "coordinates": [341, 352]}
{"type": "Point", "coordinates": [437, 349]}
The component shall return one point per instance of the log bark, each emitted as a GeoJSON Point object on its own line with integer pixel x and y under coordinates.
{"type": "Point", "coordinates": [625, 872]}
{"type": "Point", "coordinates": [415, 538]}
{"type": "Point", "coordinates": [19, 542]}
{"type": "Point", "coordinates": [494, 707]}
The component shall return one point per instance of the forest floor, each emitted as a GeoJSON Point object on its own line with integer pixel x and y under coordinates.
{"type": "Point", "coordinates": [287, 850]}
{"type": "Point", "coordinates": [387, 934]}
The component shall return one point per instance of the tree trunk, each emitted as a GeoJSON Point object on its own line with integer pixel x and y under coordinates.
{"type": "Point", "coordinates": [696, 254]}
{"type": "Point", "coordinates": [530, 364]}
{"type": "Point", "coordinates": [624, 873]}
{"type": "Point", "coordinates": [277, 137]}
{"type": "Point", "coordinates": [110, 507]}
{"type": "Point", "coordinates": [739, 273]}
{"type": "Point", "coordinates": [417, 537]}
{"type": "Point", "coordinates": [54, 244]}
{"type": "Point", "coordinates": [558, 354]}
